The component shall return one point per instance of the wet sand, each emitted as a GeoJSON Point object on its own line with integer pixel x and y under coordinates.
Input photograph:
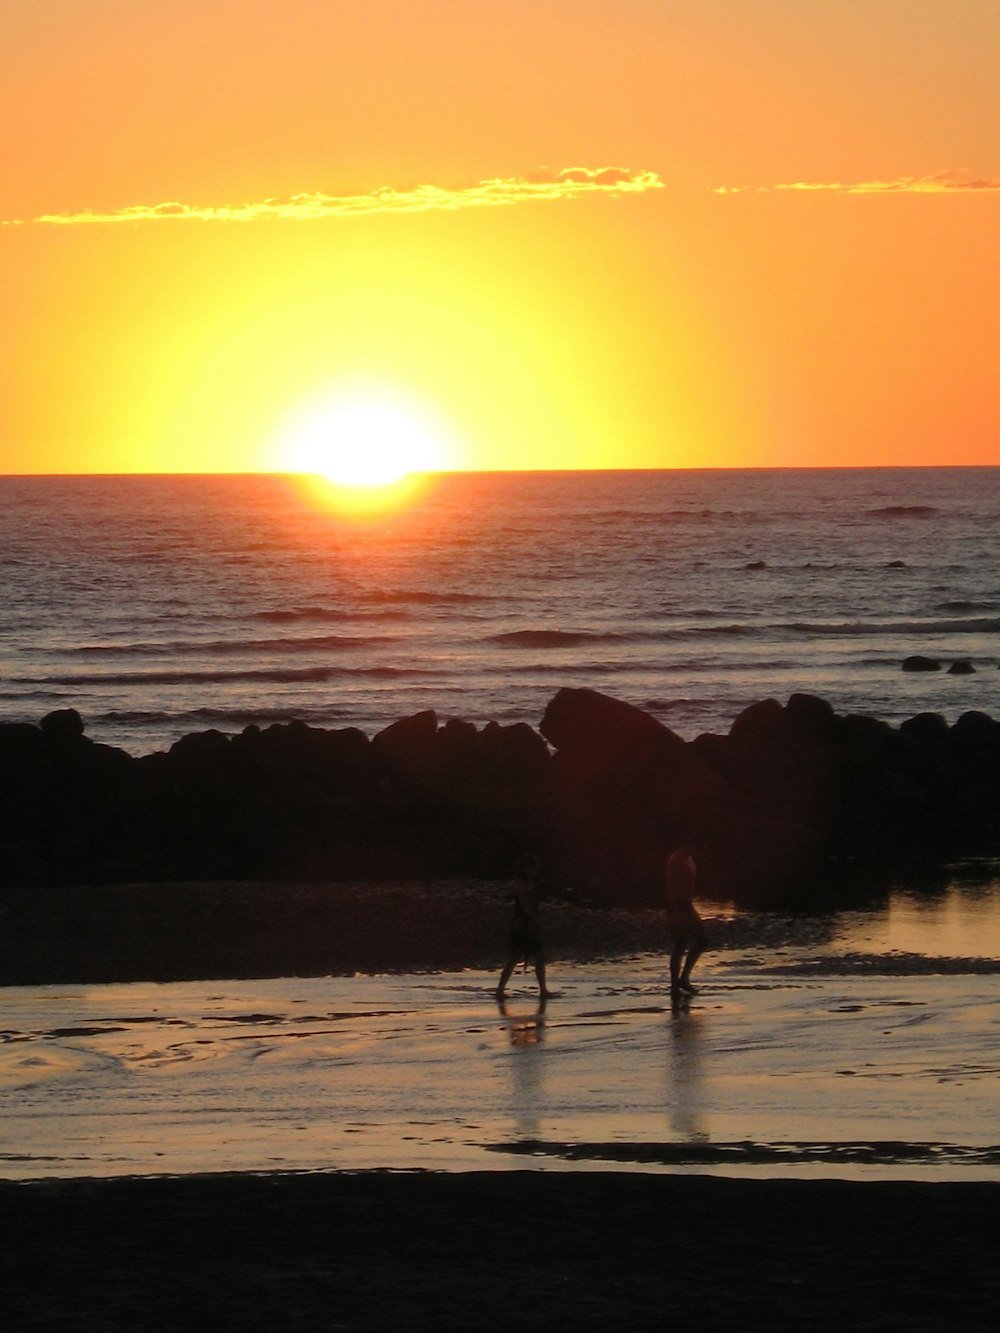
{"type": "Point", "coordinates": [771, 1069]}
{"type": "Point", "coordinates": [201, 1154]}
{"type": "Point", "coordinates": [525, 1250]}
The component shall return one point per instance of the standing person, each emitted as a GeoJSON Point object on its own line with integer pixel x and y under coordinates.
{"type": "Point", "coordinates": [687, 930]}
{"type": "Point", "coordinates": [525, 930]}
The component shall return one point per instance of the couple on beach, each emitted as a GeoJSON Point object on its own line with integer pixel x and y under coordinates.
{"type": "Point", "coordinates": [688, 938]}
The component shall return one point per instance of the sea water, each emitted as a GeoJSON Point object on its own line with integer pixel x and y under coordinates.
{"type": "Point", "coordinates": [157, 606]}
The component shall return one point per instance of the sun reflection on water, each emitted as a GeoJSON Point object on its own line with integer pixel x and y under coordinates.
{"type": "Point", "coordinates": [962, 922]}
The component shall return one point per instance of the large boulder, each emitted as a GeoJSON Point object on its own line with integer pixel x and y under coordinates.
{"type": "Point", "coordinates": [64, 724]}
{"type": "Point", "coordinates": [625, 790]}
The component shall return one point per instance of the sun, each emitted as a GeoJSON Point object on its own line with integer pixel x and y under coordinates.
{"type": "Point", "coordinates": [363, 443]}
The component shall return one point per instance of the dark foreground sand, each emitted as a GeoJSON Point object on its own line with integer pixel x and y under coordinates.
{"type": "Point", "coordinates": [520, 1250]}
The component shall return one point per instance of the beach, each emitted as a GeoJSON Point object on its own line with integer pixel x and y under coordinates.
{"type": "Point", "coordinates": [858, 1044]}
{"type": "Point", "coordinates": [382, 1250]}
{"type": "Point", "coordinates": [809, 1142]}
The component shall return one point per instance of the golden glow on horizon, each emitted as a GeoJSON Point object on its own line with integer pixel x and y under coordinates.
{"type": "Point", "coordinates": [363, 502]}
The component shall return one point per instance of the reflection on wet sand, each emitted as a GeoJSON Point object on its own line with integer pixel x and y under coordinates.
{"type": "Point", "coordinates": [684, 1093]}
{"type": "Point", "coordinates": [526, 1030]}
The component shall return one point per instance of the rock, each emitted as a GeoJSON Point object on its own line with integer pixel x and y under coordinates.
{"type": "Point", "coordinates": [200, 748]}
{"type": "Point", "coordinates": [975, 742]}
{"type": "Point", "coordinates": [963, 667]}
{"type": "Point", "coordinates": [928, 731]}
{"type": "Point", "coordinates": [409, 747]}
{"type": "Point", "coordinates": [587, 720]}
{"type": "Point", "coordinates": [812, 716]}
{"type": "Point", "coordinates": [918, 663]}
{"type": "Point", "coordinates": [791, 792]}
{"type": "Point", "coordinates": [625, 788]}
{"type": "Point", "coordinates": [65, 724]}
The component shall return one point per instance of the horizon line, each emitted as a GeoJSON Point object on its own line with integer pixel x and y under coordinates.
{"type": "Point", "coordinates": [526, 472]}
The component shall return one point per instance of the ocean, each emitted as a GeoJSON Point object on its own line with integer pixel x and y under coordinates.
{"type": "Point", "coordinates": [162, 605]}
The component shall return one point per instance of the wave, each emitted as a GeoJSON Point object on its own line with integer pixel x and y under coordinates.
{"type": "Point", "coordinates": [674, 515]}
{"type": "Point", "coordinates": [220, 716]}
{"type": "Point", "coordinates": [546, 638]}
{"type": "Point", "coordinates": [269, 675]}
{"type": "Point", "coordinates": [891, 628]}
{"type": "Point", "coordinates": [905, 511]}
{"type": "Point", "coordinates": [221, 647]}
{"type": "Point", "coordinates": [966, 607]}
{"type": "Point", "coordinates": [553, 638]}
{"type": "Point", "coordinates": [691, 667]}
{"type": "Point", "coordinates": [414, 597]}
{"type": "Point", "coordinates": [290, 615]}
{"type": "Point", "coordinates": [676, 705]}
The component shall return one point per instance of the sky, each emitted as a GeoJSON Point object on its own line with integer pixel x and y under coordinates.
{"type": "Point", "coordinates": [517, 234]}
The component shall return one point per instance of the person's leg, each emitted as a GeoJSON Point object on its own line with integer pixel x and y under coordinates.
{"type": "Point", "coordinates": [696, 947]}
{"type": "Point", "coordinates": [543, 990]}
{"type": "Point", "coordinates": [684, 981]}
{"type": "Point", "coordinates": [508, 968]}
{"type": "Point", "coordinates": [678, 944]}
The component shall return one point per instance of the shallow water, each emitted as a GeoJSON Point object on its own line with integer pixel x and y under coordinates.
{"type": "Point", "coordinates": [961, 921]}
{"type": "Point", "coordinates": [773, 1069]}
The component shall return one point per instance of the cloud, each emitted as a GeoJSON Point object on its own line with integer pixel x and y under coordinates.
{"type": "Point", "coordinates": [571, 183]}
{"type": "Point", "coordinates": [944, 182]}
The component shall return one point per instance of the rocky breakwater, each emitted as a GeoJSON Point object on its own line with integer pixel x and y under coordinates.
{"type": "Point", "coordinates": [288, 802]}
{"type": "Point", "coordinates": [602, 789]}
{"type": "Point", "coordinates": [795, 803]}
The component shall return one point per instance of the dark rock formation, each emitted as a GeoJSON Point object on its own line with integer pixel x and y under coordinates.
{"type": "Point", "coordinates": [793, 798]}
{"type": "Point", "coordinates": [918, 663]}
{"type": "Point", "coordinates": [285, 802]}
{"type": "Point", "coordinates": [624, 790]}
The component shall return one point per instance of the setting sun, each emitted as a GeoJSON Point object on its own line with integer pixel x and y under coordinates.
{"type": "Point", "coordinates": [362, 442]}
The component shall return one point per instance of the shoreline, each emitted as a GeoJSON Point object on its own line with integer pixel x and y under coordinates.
{"type": "Point", "coordinates": [371, 1250]}
{"type": "Point", "coordinates": [225, 930]}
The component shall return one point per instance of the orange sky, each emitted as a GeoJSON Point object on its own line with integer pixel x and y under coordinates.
{"type": "Point", "coordinates": [560, 233]}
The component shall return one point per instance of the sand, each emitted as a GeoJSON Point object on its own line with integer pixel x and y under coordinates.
{"type": "Point", "coordinates": [768, 1070]}
{"type": "Point", "coordinates": [597, 1165]}
{"type": "Point", "coordinates": [522, 1250]}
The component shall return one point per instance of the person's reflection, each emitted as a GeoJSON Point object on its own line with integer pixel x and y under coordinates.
{"type": "Point", "coordinates": [526, 1030]}
{"type": "Point", "coordinates": [684, 1095]}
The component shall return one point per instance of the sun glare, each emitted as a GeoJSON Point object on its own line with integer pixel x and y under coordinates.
{"type": "Point", "coordinates": [361, 443]}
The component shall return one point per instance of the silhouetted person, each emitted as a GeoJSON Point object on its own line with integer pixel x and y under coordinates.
{"type": "Point", "coordinates": [688, 939]}
{"type": "Point", "coordinates": [525, 930]}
